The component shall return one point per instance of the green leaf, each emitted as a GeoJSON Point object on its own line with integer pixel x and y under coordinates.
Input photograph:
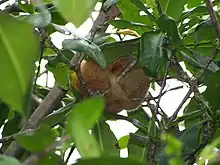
{"type": "Point", "coordinates": [190, 108]}
{"type": "Point", "coordinates": [85, 143]}
{"type": "Point", "coordinates": [50, 159]}
{"type": "Point", "coordinates": [206, 51]}
{"type": "Point", "coordinates": [106, 139]}
{"type": "Point", "coordinates": [138, 139]}
{"type": "Point", "coordinates": [57, 17]}
{"type": "Point", "coordinates": [39, 20]}
{"type": "Point", "coordinates": [197, 11]}
{"type": "Point", "coordinates": [140, 28]}
{"type": "Point", "coordinates": [61, 75]}
{"type": "Point", "coordinates": [115, 50]}
{"type": "Point", "coordinates": [168, 25]}
{"type": "Point", "coordinates": [123, 141]}
{"type": "Point", "coordinates": [184, 27]}
{"type": "Point", "coordinates": [25, 6]}
{"type": "Point", "coordinates": [213, 89]}
{"type": "Point", "coordinates": [30, 140]}
{"type": "Point", "coordinates": [193, 3]}
{"type": "Point", "coordinates": [173, 149]}
{"type": "Point", "coordinates": [190, 60]}
{"type": "Point", "coordinates": [138, 147]}
{"type": "Point", "coordinates": [109, 161]}
{"type": "Point", "coordinates": [150, 52]}
{"type": "Point", "coordinates": [131, 12]}
{"type": "Point", "coordinates": [140, 115]}
{"type": "Point", "coordinates": [124, 24]}
{"type": "Point", "coordinates": [195, 59]}
{"type": "Point", "coordinates": [208, 153]}
{"type": "Point", "coordinates": [18, 54]}
{"type": "Point", "coordinates": [58, 115]}
{"type": "Point", "coordinates": [8, 160]}
{"type": "Point", "coordinates": [173, 8]}
{"type": "Point", "coordinates": [142, 7]}
{"type": "Point", "coordinates": [90, 49]}
{"type": "Point", "coordinates": [88, 111]}
{"type": "Point", "coordinates": [83, 117]}
{"type": "Point", "coordinates": [190, 139]}
{"type": "Point", "coordinates": [75, 11]}
{"type": "Point", "coordinates": [205, 31]}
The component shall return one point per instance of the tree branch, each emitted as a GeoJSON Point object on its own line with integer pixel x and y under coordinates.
{"type": "Point", "coordinates": [213, 17]}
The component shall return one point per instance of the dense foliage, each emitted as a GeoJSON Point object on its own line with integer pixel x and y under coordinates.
{"type": "Point", "coordinates": [42, 125]}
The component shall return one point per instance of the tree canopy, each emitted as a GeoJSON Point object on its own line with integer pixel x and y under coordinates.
{"type": "Point", "coordinates": [132, 46]}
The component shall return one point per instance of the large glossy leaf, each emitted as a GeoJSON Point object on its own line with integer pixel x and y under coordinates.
{"type": "Point", "coordinates": [58, 115]}
{"type": "Point", "coordinates": [30, 140]}
{"type": "Point", "coordinates": [173, 8]}
{"type": "Point", "coordinates": [89, 49]}
{"type": "Point", "coordinates": [184, 27]}
{"type": "Point", "coordinates": [193, 3]}
{"type": "Point", "coordinates": [25, 6]}
{"type": "Point", "coordinates": [114, 50]}
{"type": "Point", "coordinates": [195, 59]}
{"type": "Point", "coordinates": [173, 149]}
{"type": "Point", "coordinates": [197, 11]}
{"type": "Point", "coordinates": [106, 139]}
{"type": "Point", "coordinates": [50, 159]}
{"type": "Point", "coordinates": [205, 31]}
{"type": "Point", "coordinates": [110, 161]}
{"type": "Point", "coordinates": [57, 18]}
{"type": "Point", "coordinates": [151, 52]}
{"type": "Point", "coordinates": [75, 11]}
{"type": "Point", "coordinates": [82, 117]}
{"type": "Point", "coordinates": [140, 115]}
{"type": "Point", "coordinates": [206, 51]}
{"type": "Point", "coordinates": [17, 56]}
{"type": "Point", "coordinates": [168, 25]}
{"type": "Point", "coordinates": [193, 106]}
{"type": "Point", "coordinates": [190, 139]}
{"type": "Point", "coordinates": [61, 75]}
{"type": "Point", "coordinates": [130, 12]}
{"type": "Point", "coordinates": [38, 20]}
{"type": "Point", "coordinates": [8, 160]}
{"type": "Point", "coordinates": [123, 24]}
{"type": "Point", "coordinates": [213, 89]}
{"type": "Point", "coordinates": [123, 142]}
{"type": "Point", "coordinates": [138, 147]}
{"type": "Point", "coordinates": [142, 7]}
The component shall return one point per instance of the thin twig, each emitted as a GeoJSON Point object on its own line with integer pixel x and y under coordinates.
{"type": "Point", "coordinates": [163, 84]}
{"type": "Point", "coordinates": [159, 8]}
{"type": "Point", "coordinates": [53, 47]}
{"type": "Point", "coordinates": [3, 1]}
{"type": "Point", "coordinates": [13, 136]}
{"type": "Point", "coordinates": [40, 74]}
{"type": "Point", "coordinates": [42, 46]}
{"type": "Point", "coordinates": [169, 90]}
{"type": "Point", "coordinates": [70, 153]}
{"type": "Point", "coordinates": [213, 17]}
{"type": "Point", "coordinates": [193, 85]}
